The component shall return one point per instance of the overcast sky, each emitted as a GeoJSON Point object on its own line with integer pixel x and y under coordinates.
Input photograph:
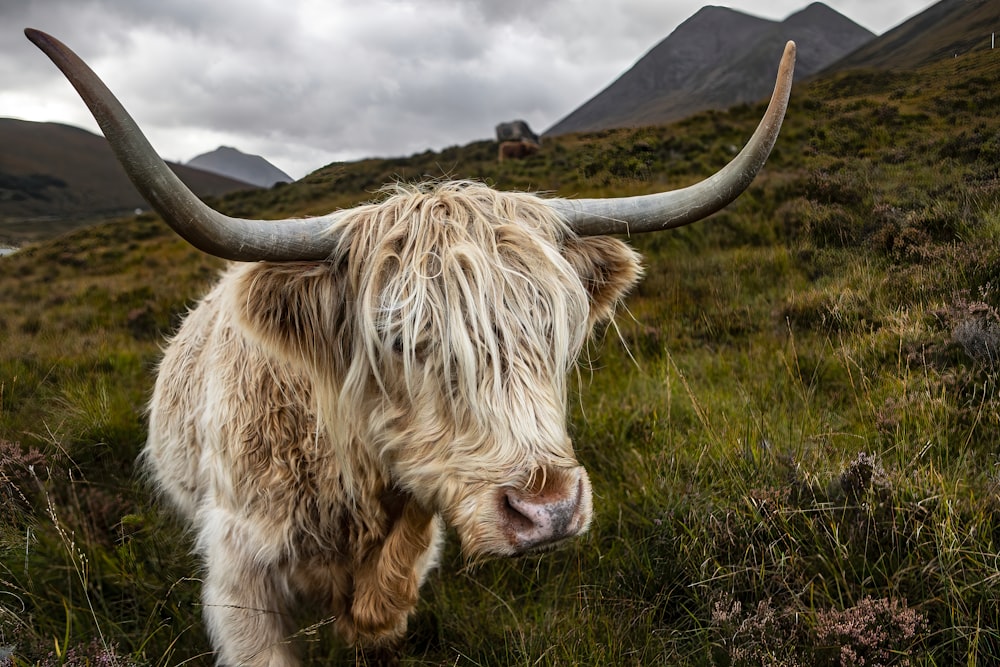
{"type": "Point", "coordinates": [309, 82]}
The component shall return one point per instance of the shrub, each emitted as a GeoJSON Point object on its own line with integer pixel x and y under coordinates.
{"type": "Point", "coordinates": [977, 331]}
{"type": "Point", "coordinates": [760, 636]}
{"type": "Point", "coordinates": [18, 480]}
{"type": "Point", "coordinates": [872, 633]}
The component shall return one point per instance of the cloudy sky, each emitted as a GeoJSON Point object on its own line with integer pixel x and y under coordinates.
{"type": "Point", "coordinates": [308, 82]}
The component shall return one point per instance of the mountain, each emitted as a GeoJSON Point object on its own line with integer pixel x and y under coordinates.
{"type": "Point", "coordinates": [241, 166]}
{"type": "Point", "coordinates": [717, 58]}
{"type": "Point", "coordinates": [53, 174]}
{"type": "Point", "coordinates": [943, 30]}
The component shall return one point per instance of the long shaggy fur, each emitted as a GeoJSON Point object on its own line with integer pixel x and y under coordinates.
{"type": "Point", "coordinates": [318, 422]}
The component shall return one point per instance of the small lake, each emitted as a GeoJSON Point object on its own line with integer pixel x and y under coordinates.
{"type": "Point", "coordinates": [7, 251]}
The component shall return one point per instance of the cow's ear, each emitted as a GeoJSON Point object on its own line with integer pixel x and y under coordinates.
{"type": "Point", "coordinates": [607, 268]}
{"type": "Point", "coordinates": [295, 309]}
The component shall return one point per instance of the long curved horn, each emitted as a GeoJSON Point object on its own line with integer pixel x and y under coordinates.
{"type": "Point", "coordinates": [206, 229]}
{"type": "Point", "coordinates": [666, 210]}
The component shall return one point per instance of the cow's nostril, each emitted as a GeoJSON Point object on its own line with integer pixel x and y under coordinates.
{"type": "Point", "coordinates": [516, 519]}
{"type": "Point", "coordinates": [534, 519]}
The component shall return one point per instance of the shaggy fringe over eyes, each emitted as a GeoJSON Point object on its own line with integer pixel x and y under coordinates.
{"type": "Point", "coordinates": [456, 280]}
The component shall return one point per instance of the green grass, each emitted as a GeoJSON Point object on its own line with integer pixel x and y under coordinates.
{"type": "Point", "coordinates": [793, 454]}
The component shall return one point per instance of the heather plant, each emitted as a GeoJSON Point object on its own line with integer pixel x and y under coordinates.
{"type": "Point", "coordinates": [872, 633]}
{"type": "Point", "coordinates": [760, 636]}
{"type": "Point", "coordinates": [92, 654]}
{"type": "Point", "coordinates": [977, 330]}
{"type": "Point", "coordinates": [863, 477]}
{"type": "Point", "coordinates": [18, 470]}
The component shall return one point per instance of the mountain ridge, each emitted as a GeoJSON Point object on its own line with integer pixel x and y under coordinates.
{"type": "Point", "coordinates": [715, 59]}
{"type": "Point", "coordinates": [946, 29]}
{"type": "Point", "coordinates": [62, 173]}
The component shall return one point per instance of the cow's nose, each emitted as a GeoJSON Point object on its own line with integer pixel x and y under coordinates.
{"type": "Point", "coordinates": [560, 509]}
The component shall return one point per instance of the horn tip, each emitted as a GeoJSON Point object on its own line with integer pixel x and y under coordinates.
{"type": "Point", "coordinates": [33, 34]}
{"type": "Point", "coordinates": [42, 40]}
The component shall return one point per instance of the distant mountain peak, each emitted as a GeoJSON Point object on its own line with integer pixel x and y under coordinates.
{"type": "Point", "coordinates": [814, 9]}
{"type": "Point", "coordinates": [227, 150]}
{"type": "Point", "coordinates": [815, 14]}
{"type": "Point", "coordinates": [717, 58]}
{"type": "Point", "coordinates": [713, 10]}
{"type": "Point", "coordinates": [234, 163]}
{"type": "Point", "coordinates": [713, 17]}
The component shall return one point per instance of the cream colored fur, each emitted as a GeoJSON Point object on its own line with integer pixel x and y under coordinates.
{"type": "Point", "coordinates": [318, 422]}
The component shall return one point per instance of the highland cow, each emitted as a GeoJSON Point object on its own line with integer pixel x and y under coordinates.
{"type": "Point", "coordinates": [516, 150]}
{"type": "Point", "coordinates": [357, 381]}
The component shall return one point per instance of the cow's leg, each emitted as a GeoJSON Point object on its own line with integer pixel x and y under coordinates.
{"type": "Point", "coordinates": [245, 597]}
{"type": "Point", "coordinates": [387, 580]}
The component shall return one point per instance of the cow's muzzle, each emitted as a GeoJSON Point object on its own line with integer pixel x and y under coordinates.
{"type": "Point", "coordinates": [557, 506]}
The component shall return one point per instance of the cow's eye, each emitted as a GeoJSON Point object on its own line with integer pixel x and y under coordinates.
{"type": "Point", "coordinates": [397, 345]}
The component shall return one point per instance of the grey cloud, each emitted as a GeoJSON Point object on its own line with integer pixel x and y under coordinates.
{"type": "Point", "coordinates": [308, 81]}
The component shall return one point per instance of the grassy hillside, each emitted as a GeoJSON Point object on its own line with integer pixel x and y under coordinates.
{"type": "Point", "coordinates": [55, 178]}
{"type": "Point", "coordinates": [943, 30]}
{"type": "Point", "coordinates": [793, 454]}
